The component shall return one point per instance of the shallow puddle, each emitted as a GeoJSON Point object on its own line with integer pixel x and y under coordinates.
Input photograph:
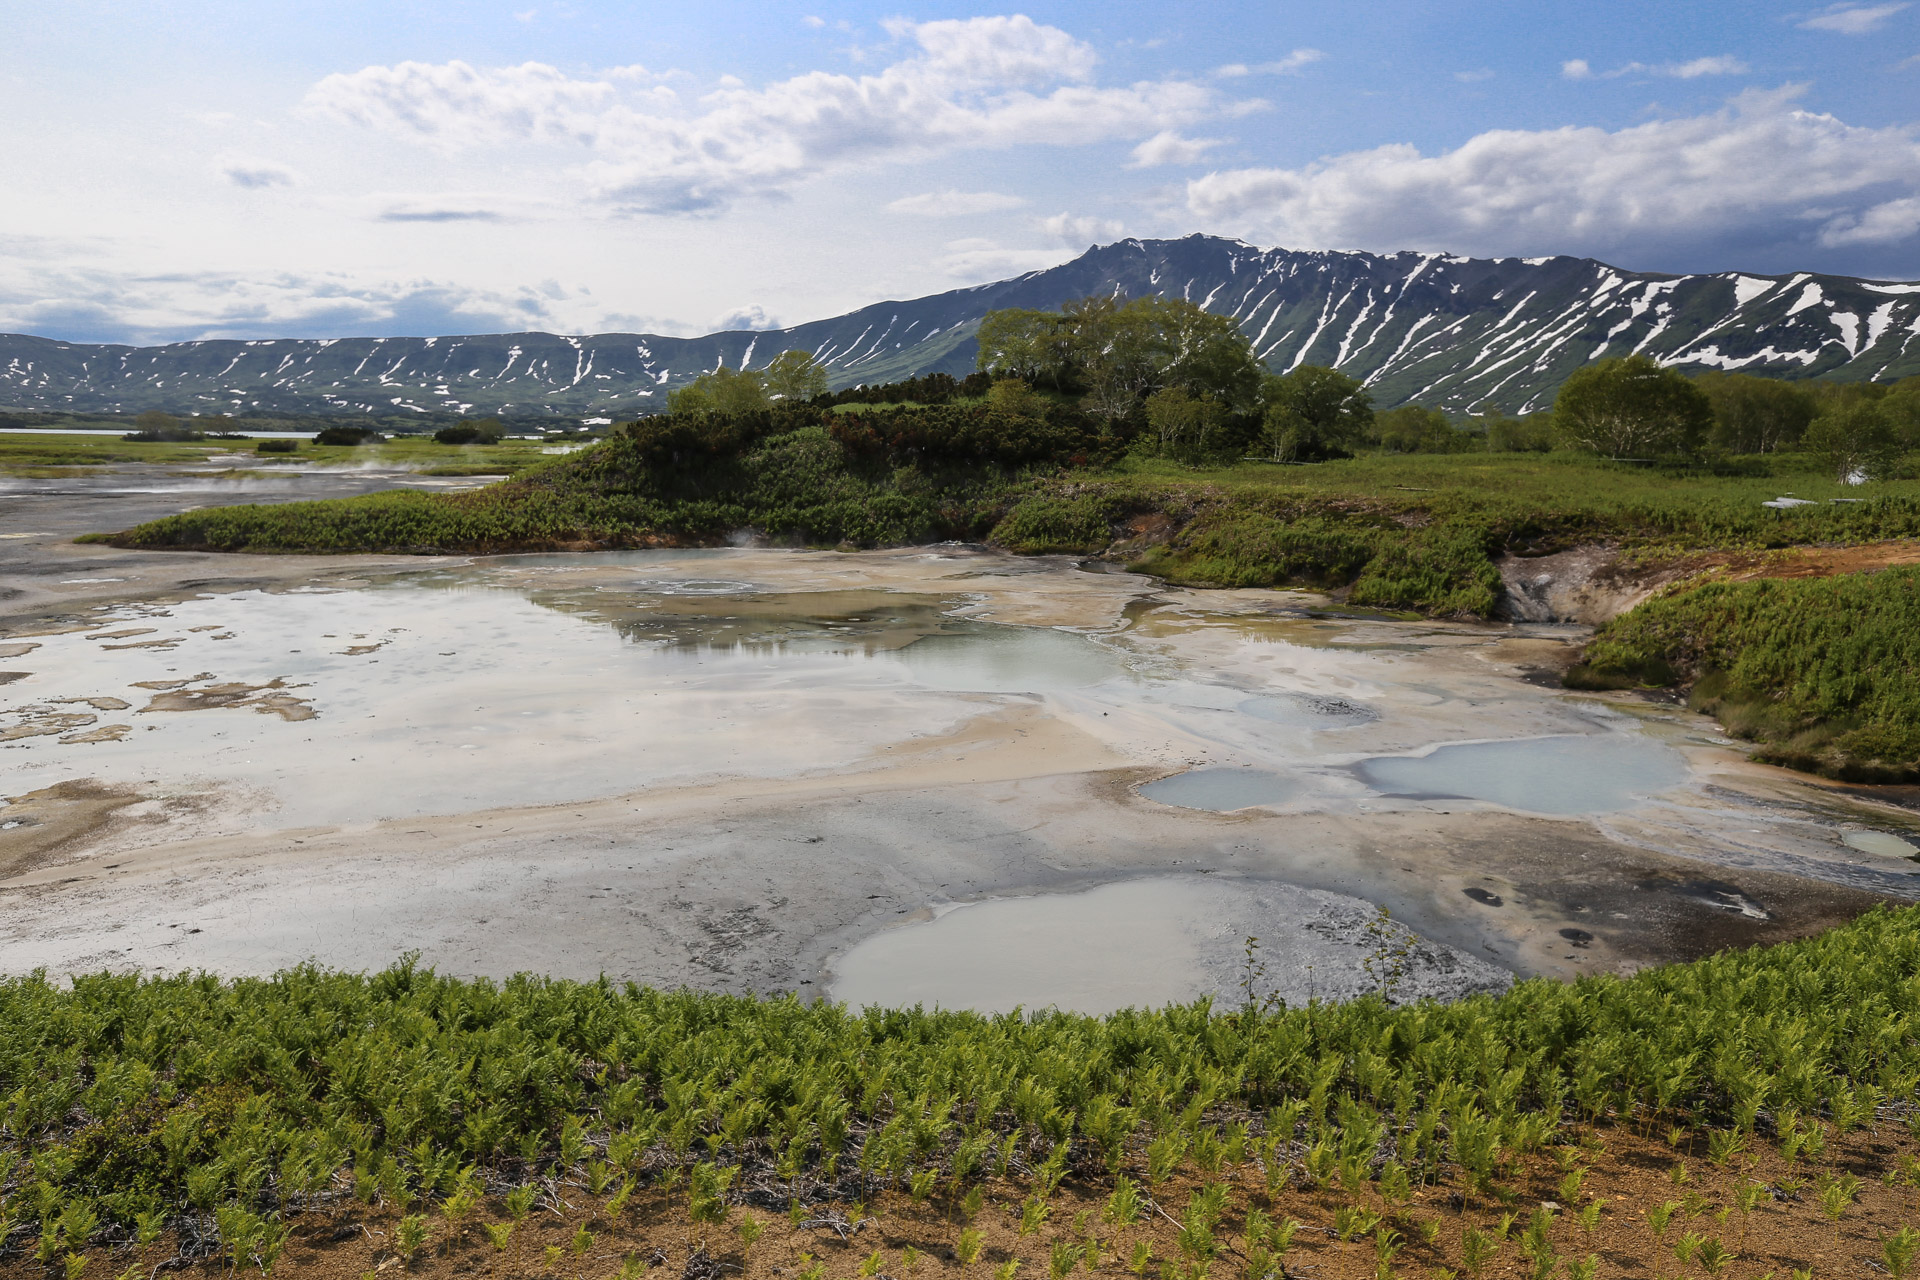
{"type": "Point", "coordinates": [1884, 843]}
{"type": "Point", "coordinates": [1559, 775]}
{"type": "Point", "coordinates": [449, 690]}
{"type": "Point", "coordinates": [1223, 789]}
{"type": "Point", "coordinates": [1139, 944]}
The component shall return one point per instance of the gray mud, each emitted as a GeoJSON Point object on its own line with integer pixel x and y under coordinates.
{"type": "Point", "coordinates": [749, 770]}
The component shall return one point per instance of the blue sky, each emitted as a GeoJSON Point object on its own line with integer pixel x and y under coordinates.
{"type": "Point", "coordinates": [195, 169]}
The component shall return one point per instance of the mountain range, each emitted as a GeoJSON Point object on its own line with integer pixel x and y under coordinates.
{"type": "Point", "coordinates": [1461, 334]}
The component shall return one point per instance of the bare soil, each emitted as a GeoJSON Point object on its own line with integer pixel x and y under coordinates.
{"type": "Point", "coordinates": [1627, 1174]}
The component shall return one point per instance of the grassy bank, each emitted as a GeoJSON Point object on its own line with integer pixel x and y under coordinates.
{"type": "Point", "coordinates": [216, 1114]}
{"type": "Point", "coordinates": [1416, 532]}
{"type": "Point", "coordinates": [1819, 672]}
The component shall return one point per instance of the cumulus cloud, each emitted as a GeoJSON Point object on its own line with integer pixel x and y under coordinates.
{"type": "Point", "coordinates": [256, 175]}
{"type": "Point", "coordinates": [1080, 231]}
{"type": "Point", "coordinates": [1281, 67]}
{"type": "Point", "coordinates": [749, 317]}
{"type": "Point", "coordinates": [954, 204]}
{"type": "Point", "coordinates": [1168, 147]}
{"type": "Point", "coordinates": [108, 304]}
{"type": "Point", "coordinates": [977, 82]}
{"type": "Point", "coordinates": [1852, 19]}
{"type": "Point", "coordinates": [1717, 65]}
{"type": "Point", "coordinates": [1759, 172]}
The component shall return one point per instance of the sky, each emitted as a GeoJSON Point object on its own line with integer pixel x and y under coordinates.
{"type": "Point", "coordinates": [201, 169]}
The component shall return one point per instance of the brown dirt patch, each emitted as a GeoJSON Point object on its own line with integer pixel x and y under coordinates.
{"type": "Point", "coordinates": [54, 818]}
{"type": "Point", "coordinates": [1626, 1175]}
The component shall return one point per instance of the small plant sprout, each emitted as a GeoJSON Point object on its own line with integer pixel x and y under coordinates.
{"type": "Point", "coordinates": [1583, 1268]}
{"type": "Point", "coordinates": [1660, 1216]}
{"type": "Point", "coordinates": [1899, 1250]}
{"type": "Point", "coordinates": [1836, 1194]}
{"type": "Point", "coordinates": [520, 1201]}
{"type": "Point", "coordinates": [1687, 1246]}
{"type": "Point", "coordinates": [749, 1228]}
{"type": "Point", "coordinates": [551, 1256]}
{"type": "Point", "coordinates": [1477, 1248]}
{"type": "Point", "coordinates": [620, 1198]}
{"type": "Point", "coordinates": [580, 1242]}
{"type": "Point", "coordinates": [1062, 1259]}
{"type": "Point", "coordinates": [499, 1234]}
{"type": "Point", "coordinates": [813, 1269]}
{"type": "Point", "coordinates": [75, 1265]}
{"type": "Point", "coordinates": [632, 1267]}
{"type": "Point", "coordinates": [1588, 1217]}
{"type": "Point", "coordinates": [910, 1259]}
{"type": "Point", "coordinates": [1007, 1269]}
{"type": "Point", "coordinates": [1570, 1186]}
{"type": "Point", "coordinates": [1713, 1255]}
{"type": "Point", "coordinates": [1142, 1258]}
{"type": "Point", "coordinates": [411, 1235]}
{"type": "Point", "coordinates": [796, 1214]}
{"type": "Point", "coordinates": [967, 1250]}
{"type": "Point", "coordinates": [870, 1265]}
{"type": "Point", "coordinates": [1724, 1144]}
{"type": "Point", "coordinates": [971, 1205]}
{"type": "Point", "coordinates": [1678, 1175]}
{"type": "Point", "coordinates": [922, 1185]}
{"type": "Point", "coordinates": [1123, 1206]}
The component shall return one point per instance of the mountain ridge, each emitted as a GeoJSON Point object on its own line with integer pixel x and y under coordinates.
{"type": "Point", "coordinates": [1462, 334]}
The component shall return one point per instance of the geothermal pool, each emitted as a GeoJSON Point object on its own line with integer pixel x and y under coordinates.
{"type": "Point", "coordinates": [936, 775]}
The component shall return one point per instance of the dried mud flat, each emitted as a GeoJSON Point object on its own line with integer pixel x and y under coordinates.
{"type": "Point", "coordinates": [728, 768]}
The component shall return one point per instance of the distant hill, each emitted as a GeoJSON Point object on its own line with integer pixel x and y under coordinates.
{"type": "Point", "coordinates": [1458, 333]}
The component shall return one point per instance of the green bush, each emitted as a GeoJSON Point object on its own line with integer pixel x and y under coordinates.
{"type": "Point", "coordinates": [1818, 671]}
{"type": "Point", "coordinates": [122, 1096]}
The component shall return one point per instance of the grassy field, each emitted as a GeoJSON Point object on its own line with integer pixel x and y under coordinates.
{"type": "Point", "coordinates": [1740, 1106]}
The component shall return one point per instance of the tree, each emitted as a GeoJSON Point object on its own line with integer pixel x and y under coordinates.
{"type": "Point", "coordinates": [1314, 413]}
{"type": "Point", "coordinates": [794, 376]}
{"type": "Point", "coordinates": [1755, 415]}
{"type": "Point", "coordinates": [1532, 433]}
{"type": "Point", "coordinates": [1033, 346]}
{"type": "Point", "coordinates": [1414, 429]}
{"type": "Point", "coordinates": [1857, 441]}
{"type": "Point", "coordinates": [1632, 407]}
{"type": "Point", "coordinates": [1186, 426]}
{"type": "Point", "coordinates": [1117, 353]}
{"type": "Point", "coordinates": [724, 393]}
{"type": "Point", "coordinates": [1016, 399]}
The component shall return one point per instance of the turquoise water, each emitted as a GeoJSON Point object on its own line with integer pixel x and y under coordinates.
{"type": "Point", "coordinates": [1560, 775]}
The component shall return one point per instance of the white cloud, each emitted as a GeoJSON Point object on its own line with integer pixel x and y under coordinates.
{"type": "Point", "coordinates": [954, 204]}
{"type": "Point", "coordinates": [749, 317]}
{"type": "Point", "coordinates": [1887, 223]}
{"type": "Point", "coordinates": [255, 175]}
{"type": "Point", "coordinates": [815, 21]}
{"type": "Point", "coordinates": [1282, 67]}
{"type": "Point", "coordinates": [1723, 65]}
{"type": "Point", "coordinates": [103, 304]}
{"type": "Point", "coordinates": [977, 260]}
{"type": "Point", "coordinates": [1079, 232]}
{"type": "Point", "coordinates": [1474, 76]}
{"type": "Point", "coordinates": [1852, 19]}
{"type": "Point", "coordinates": [978, 82]}
{"type": "Point", "coordinates": [1717, 65]}
{"type": "Point", "coordinates": [1168, 147]}
{"type": "Point", "coordinates": [1758, 172]}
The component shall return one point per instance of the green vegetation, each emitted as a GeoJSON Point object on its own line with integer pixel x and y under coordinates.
{"type": "Point", "coordinates": [133, 1102]}
{"type": "Point", "coordinates": [1819, 671]}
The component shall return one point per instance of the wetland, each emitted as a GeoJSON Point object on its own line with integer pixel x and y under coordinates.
{"type": "Point", "coordinates": [941, 773]}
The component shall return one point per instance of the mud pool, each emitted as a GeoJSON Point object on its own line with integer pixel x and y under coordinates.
{"type": "Point", "coordinates": [931, 774]}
